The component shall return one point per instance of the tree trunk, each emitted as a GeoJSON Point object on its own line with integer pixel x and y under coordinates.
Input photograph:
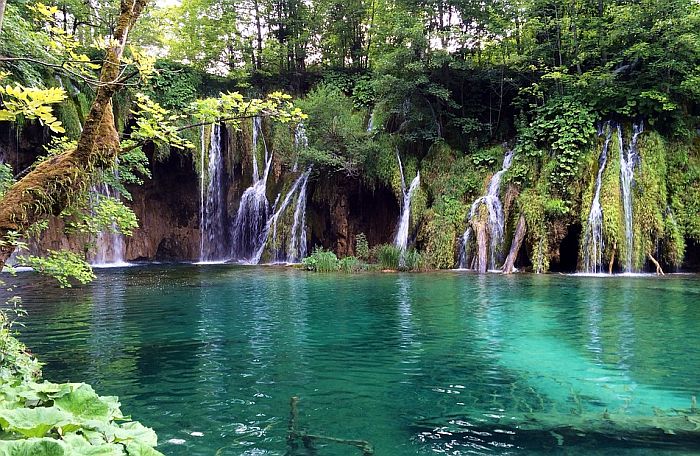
{"type": "Point", "coordinates": [52, 185]}
{"type": "Point", "coordinates": [3, 4]}
{"type": "Point", "coordinates": [520, 232]}
{"type": "Point", "coordinates": [258, 59]}
{"type": "Point", "coordinates": [659, 270]}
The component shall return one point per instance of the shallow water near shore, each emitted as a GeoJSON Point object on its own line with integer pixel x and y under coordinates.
{"type": "Point", "coordinates": [447, 363]}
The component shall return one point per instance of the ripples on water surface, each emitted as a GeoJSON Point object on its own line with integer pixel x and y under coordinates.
{"type": "Point", "coordinates": [415, 364]}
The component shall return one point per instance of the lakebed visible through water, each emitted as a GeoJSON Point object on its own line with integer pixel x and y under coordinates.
{"type": "Point", "coordinates": [447, 363]}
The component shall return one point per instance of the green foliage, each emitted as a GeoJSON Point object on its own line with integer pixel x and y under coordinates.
{"type": "Point", "coordinates": [350, 264]}
{"type": "Point", "coordinates": [412, 260]}
{"type": "Point", "coordinates": [321, 261]}
{"type": "Point", "coordinates": [532, 205]}
{"type": "Point", "coordinates": [361, 247]}
{"type": "Point", "coordinates": [683, 180]}
{"type": "Point", "coordinates": [564, 127]}
{"type": "Point", "coordinates": [62, 265]}
{"type": "Point", "coordinates": [387, 256]}
{"type": "Point", "coordinates": [30, 103]}
{"type": "Point", "coordinates": [174, 86]}
{"type": "Point", "coordinates": [63, 419]}
{"type": "Point", "coordinates": [336, 133]}
{"type": "Point", "coordinates": [487, 158]}
{"type": "Point", "coordinates": [442, 225]}
{"type": "Point", "coordinates": [6, 178]}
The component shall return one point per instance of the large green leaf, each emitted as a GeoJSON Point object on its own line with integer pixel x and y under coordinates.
{"type": "Point", "coordinates": [85, 403]}
{"type": "Point", "coordinates": [34, 422]}
{"type": "Point", "coordinates": [140, 449]}
{"type": "Point", "coordinates": [32, 447]}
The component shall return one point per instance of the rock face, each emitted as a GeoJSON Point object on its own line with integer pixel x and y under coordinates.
{"type": "Point", "coordinates": [340, 208]}
{"type": "Point", "coordinates": [167, 207]}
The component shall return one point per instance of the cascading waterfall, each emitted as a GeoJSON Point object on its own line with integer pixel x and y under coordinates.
{"type": "Point", "coordinates": [297, 245]}
{"type": "Point", "coordinates": [250, 221]}
{"type": "Point", "coordinates": [593, 237]}
{"type": "Point", "coordinates": [212, 200]}
{"type": "Point", "coordinates": [401, 238]}
{"type": "Point", "coordinates": [297, 239]}
{"type": "Point", "coordinates": [495, 224]}
{"type": "Point", "coordinates": [629, 159]}
{"type": "Point", "coordinates": [110, 248]}
{"type": "Point", "coordinates": [301, 141]}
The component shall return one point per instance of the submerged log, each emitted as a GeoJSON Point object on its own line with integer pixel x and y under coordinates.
{"type": "Point", "coordinates": [542, 429]}
{"type": "Point", "coordinates": [520, 232]}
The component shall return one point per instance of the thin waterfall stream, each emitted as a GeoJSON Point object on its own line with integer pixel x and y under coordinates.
{"type": "Point", "coordinates": [212, 200]}
{"type": "Point", "coordinates": [490, 237]}
{"type": "Point", "coordinates": [401, 238]}
{"type": "Point", "coordinates": [629, 160]}
{"type": "Point", "coordinates": [279, 253]}
{"type": "Point", "coordinates": [593, 237]}
{"type": "Point", "coordinates": [110, 248]}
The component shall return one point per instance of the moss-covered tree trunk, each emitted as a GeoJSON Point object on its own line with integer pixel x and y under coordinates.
{"type": "Point", "coordinates": [518, 238]}
{"type": "Point", "coordinates": [50, 187]}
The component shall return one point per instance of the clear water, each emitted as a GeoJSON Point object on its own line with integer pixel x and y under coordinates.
{"type": "Point", "coordinates": [400, 360]}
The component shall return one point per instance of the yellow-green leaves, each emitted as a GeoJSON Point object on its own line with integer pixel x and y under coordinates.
{"type": "Point", "coordinates": [232, 107]}
{"type": "Point", "coordinates": [157, 124]}
{"type": "Point", "coordinates": [32, 103]}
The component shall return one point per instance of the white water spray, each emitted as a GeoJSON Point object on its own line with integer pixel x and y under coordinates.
{"type": "Point", "coordinates": [401, 238]}
{"type": "Point", "coordinates": [593, 237]}
{"type": "Point", "coordinates": [496, 219]}
{"type": "Point", "coordinates": [629, 159]}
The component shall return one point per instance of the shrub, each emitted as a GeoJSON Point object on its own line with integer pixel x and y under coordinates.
{"type": "Point", "coordinates": [387, 256]}
{"type": "Point", "coordinates": [321, 261]}
{"type": "Point", "coordinates": [350, 264]}
{"type": "Point", "coordinates": [412, 260]}
{"type": "Point", "coordinates": [361, 247]}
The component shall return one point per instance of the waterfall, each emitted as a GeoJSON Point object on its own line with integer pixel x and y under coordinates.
{"type": "Point", "coordinates": [401, 239]}
{"type": "Point", "coordinates": [110, 248]}
{"type": "Point", "coordinates": [301, 141]}
{"type": "Point", "coordinates": [297, 244]}
{"type": "Point", "coordinates": [298, 229]}
{"type": "Point", "coordinates": [370, 122]}
{"type": "Point", "coordinates": [212, 200]}
{"type": "Point", "coordinates": [593, 237]}
{"type": "Point", "coordinates": [250, 221]}
{"type": "Point", "coordinates": [629, 159]}
{"type": "Point", "coordinates": [496, 220]}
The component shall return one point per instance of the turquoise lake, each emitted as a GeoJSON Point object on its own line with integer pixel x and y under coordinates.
{"type": "Point", "coordinates": [416, 364]}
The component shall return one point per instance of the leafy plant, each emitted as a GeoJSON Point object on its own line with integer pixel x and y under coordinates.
{"type": "Point", "coordinates": [350, 264]}
{"type": "Point", "coordinates": [321, 261]}
{"type": "Point", "coordinates": [388, 256]}
{"type": "Point", "coordinates": [61, 265]}
{"type": "Point", "coordinates": [361, 246]}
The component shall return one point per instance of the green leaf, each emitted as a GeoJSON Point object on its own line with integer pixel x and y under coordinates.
{"type": "Point", "coordinates": [32, 447]}
{"type": "Point", "coordinates": [34, 422]}
{"type": "Point", "coordinates": [85, 403]}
